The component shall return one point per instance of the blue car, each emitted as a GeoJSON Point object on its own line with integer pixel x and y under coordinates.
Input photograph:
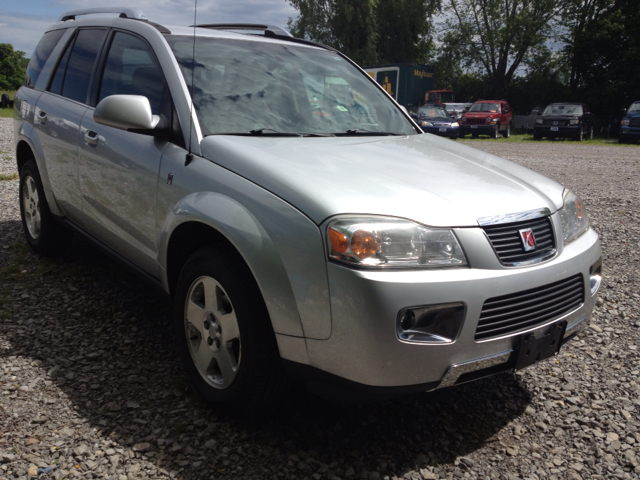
{"type": "Point", "coordinates": [630, 124]}
{"type": "Point", "coordinates": [436, 120]}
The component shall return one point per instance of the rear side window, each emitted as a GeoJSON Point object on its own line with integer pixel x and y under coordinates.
{"type": "Point", "coordinates": [131, 69]}
{"type": "Point", "coordinates": [41, 55]}
{"type": "Point", "coordinates": [74, 74]}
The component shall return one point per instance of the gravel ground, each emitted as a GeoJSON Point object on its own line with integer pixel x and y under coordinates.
{"type": "Point", "coordinates": [91, 382]}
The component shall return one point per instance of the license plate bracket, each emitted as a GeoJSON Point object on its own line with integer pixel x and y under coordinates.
{"type": "Point", "coordinates": [443, 129]}
{"type": "Point", "coordinates": [554, 129]}
{"type": "Point", "coordinates": [533, 348]}
{"type": "Point", "coordinates": [474, 126]}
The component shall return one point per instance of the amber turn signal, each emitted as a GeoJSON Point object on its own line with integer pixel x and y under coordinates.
{"type": "Point", "coordinates": [339, 241]}
{"type": "Point", "coordinates": [363, 244]}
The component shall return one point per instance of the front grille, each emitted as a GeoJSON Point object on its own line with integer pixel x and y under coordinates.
{"type": "Point", "coordinates": [476, 121]}
{"type": "Point", "coordinates": [506, 241]}
{"type": "Point", "coordinates": [557, 123]}
{"type": "Point", "coordinates": [518, 311]}
{"type": "Point", "coordinates": [634, 122]}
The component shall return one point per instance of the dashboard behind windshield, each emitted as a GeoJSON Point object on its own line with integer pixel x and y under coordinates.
{"type": "Point", "coordinates": [241, 86]}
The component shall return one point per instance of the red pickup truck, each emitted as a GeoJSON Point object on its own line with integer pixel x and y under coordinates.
{"type": "Point", "coordinates": [487, 117]}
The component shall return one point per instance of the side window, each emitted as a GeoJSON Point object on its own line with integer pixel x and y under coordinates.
{"type": "Point", "coordinates": [74, 72]}
{"type": "Point", "coordinates": [41, 55]}
{"type": "Point", "coordinates": [131, 69]}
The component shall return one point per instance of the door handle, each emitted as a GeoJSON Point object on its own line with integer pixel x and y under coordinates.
{"type": "Point", "coordinates": [91, 137]}
{"type": "Point", "coordinates": [41, 116]}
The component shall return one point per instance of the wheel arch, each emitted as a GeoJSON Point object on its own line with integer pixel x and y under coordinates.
{"type": "Point", "coordinates": [207, 218]}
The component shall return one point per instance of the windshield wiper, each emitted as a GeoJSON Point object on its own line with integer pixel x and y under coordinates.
{"type": "Point", "coordinates": [270, 132]}
{"type": "Point", "coordinates": [362, 131]}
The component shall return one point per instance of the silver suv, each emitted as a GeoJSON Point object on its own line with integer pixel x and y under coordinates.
{"type": "Point", "coordinates": [302, 223]}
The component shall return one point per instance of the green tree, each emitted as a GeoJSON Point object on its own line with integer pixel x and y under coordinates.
{"type": "Point", "coordinates": [369, 31]}
{"type": "Point", "coordinates": [602, 48]}
{"type": "Point", "coordinates": [11, 67]}
{"type": "Point", "coordinates": [496, 37]}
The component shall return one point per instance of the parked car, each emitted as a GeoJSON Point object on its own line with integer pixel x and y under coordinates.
{"type": "Point", "coordinates": [565, 120]}
{"type": "Point", "coordinates": [487, 117]}
{"type": "Point", "coordinates": [436, 120]}
{"type": "Point", "coordinates": [345, 249]}
{"type": "Point", "coordinates": [630, 124]}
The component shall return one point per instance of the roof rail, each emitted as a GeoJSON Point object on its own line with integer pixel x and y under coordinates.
{"type": "Point", "coordinates": [124, 12]}
{"type": "Point", "coordinates": [269, 30]}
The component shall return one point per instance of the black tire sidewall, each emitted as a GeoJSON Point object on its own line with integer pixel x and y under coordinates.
{"type": "Point", "coordinates": [258, 345]}
{"type": "Point", "coordinates": [54, 237]}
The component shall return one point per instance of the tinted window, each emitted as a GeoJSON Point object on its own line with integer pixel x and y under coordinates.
{"type": "Point", "coordinates": [131, 69]}
{"type": "Point", "coordinates": [41, 55]}
{"type": "Point", "coordinates": [81, 62]}
{"type": "Point", "coordinates": [58, 77]}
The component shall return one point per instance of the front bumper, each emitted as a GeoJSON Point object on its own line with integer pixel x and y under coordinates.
{"type": "Point", "coordinates": [557, 131]}
{"type": "Point", "coordinates": [444, 131]}
{"type": "Point", "coordinates": [629, 132]}
{"type": "Point", "coordinates": [487, 129]}
{"type": "Point", "coordinates": [364, 347]}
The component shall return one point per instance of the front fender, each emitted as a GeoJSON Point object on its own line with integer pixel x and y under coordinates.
{"type": "Point", "coordinates": [282, 247]}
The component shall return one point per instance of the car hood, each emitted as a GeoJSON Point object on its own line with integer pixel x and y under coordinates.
{"type": "Point", "coordinates": [424, 178]}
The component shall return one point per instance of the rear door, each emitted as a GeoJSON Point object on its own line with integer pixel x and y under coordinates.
{"type": "Point", "coordinates": [119, 169]}
{"type": "Point", "coordinates": [59, 113]}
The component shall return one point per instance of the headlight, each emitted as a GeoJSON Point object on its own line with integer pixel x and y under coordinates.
{"type": "Point", "coordinates": [427, 124]}
{"type": "Point", "coordinates": [574, 121]}
{"type": "Point", "coordinates": [391, 242]}
{"type": "Point", "coordinates": [625, 122]}
{"type": "Point", "coordinates": [574, 217]}
{"type": "Point", "coordinates": [455, 124]}
{"type": "Point", "coordinates": [539, 121]}
{"type": "Point", "coordinates": [463, 119]}
{"type": "Point", "coordinates": [488, 119]}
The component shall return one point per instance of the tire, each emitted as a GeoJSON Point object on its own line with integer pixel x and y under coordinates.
{"type": "Point", "coordinates": [474, 135]}
{"type": "Point", "coordinates": [496, 132]}
{"type": "Point", "coordinates": [4, 101]}
{"type": "Point", "coordinates": [224, 333]}
{"type": "Point", "coordinates": [537, 135]}
{"type": "Point", "coordinates": [590, 133]}
{"type": "Point", "coordinates": [507, 132]}
{"type": "Point", "coordinates": [42, 230]}
{"type": "Point", "coordinates": [580, 135]}
{"type": "Point", "coordinates": [622, 139]}
{"type": "Point", "coordinates": [462, 135]}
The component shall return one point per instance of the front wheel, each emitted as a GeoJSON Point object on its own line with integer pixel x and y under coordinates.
{"type": "Point", "coordinates": [496, 132]}
{"type": "Point", "coordinates": [224, 332]}
{"type": "Point", "coordinates": [462, 135]}
{"type": "Point", "coordinates": [507, 132]}
{"type": "Point", "coordinates": [42, 230]}
{"type": "Point", "coordinates": [580, 135]}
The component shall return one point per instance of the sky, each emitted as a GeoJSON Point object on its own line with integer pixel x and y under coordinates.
{"type": "Point", "coordinates": [22, 22]}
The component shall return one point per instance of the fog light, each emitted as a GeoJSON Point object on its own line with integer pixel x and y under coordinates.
{"type": "Point", "coordinates": [430, 323]}
{"type": "Point", "coordinates": [595, 276]}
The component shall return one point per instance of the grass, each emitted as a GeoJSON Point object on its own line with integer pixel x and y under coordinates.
{"type": "Point", "coordinates": [528, 137]}
{"type": "Point", "coordinates": [8, 176]}
{"type": "Point", "coordinates": [7, 112]}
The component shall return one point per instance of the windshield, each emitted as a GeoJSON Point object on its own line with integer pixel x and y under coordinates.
{"type": "Point", "coordinates": [243, 86]}
{"type": "Point", "coordinates": [433, 113]}
{"type": "Point", "coordinates": [635, 107]}
{"type": "Point", "coordinates": [485, 107]}
{"type": "Point", "coordinates": [563, 110]}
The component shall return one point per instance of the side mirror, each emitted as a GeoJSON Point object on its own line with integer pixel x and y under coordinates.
{"type": "Point", "coordinates": [126, 112]}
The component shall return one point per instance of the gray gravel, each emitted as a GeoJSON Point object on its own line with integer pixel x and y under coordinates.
{"type": "Point", "coordinates": [90, 381]}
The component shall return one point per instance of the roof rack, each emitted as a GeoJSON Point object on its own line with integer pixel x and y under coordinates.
{"type": "Point", "coordinates": [124, 12]}
{"type": "Point", "coordinates": [269, 30]}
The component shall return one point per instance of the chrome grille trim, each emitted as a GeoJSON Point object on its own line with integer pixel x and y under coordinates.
{"type": "Point", "coordinates": [519, 311]}
{"type": "Point", "coordinates": [507, 243]}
